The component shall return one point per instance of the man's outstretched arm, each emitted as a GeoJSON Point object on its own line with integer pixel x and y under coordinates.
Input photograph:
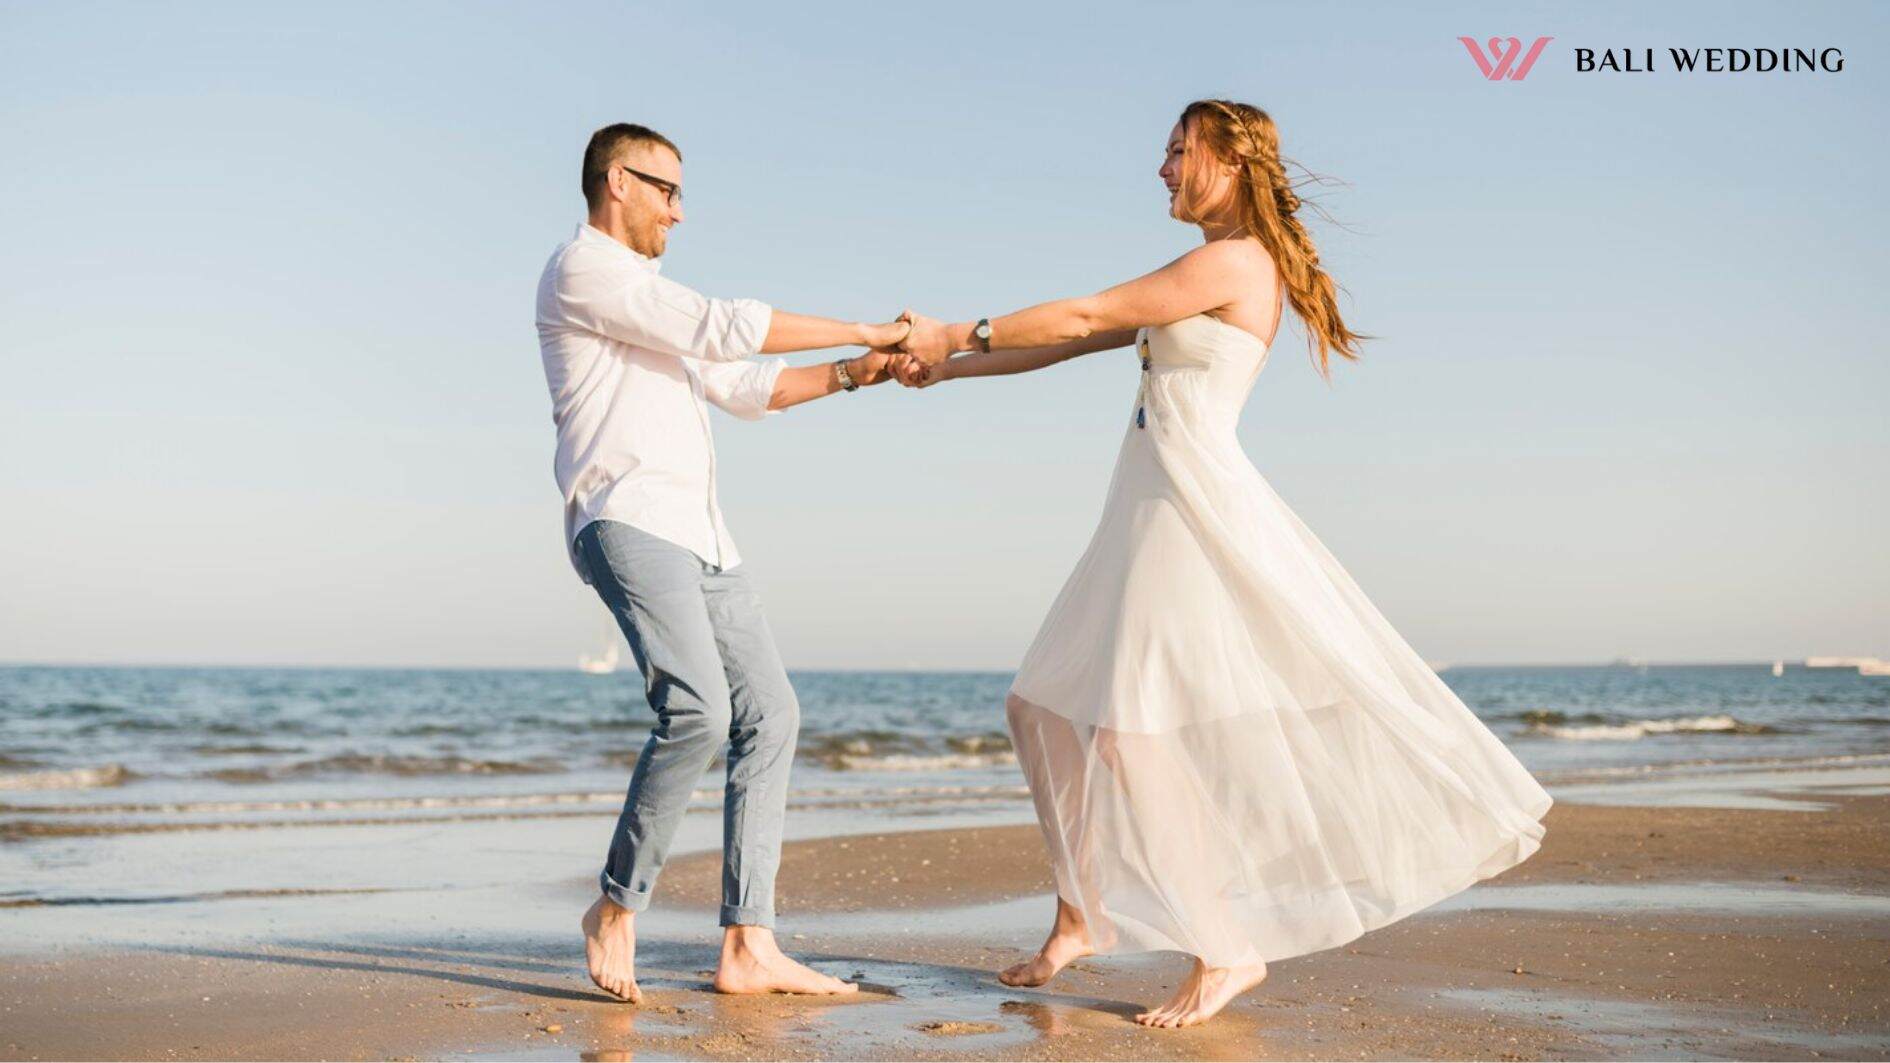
{"type": "Point", "coordinates": [805, 383]}
{"type": "Point", "coordinates": [613, 297]}
{"type": "Point", "coordinates": [789, 332]}
{"type": "Point", "coordinates": [753, 389]}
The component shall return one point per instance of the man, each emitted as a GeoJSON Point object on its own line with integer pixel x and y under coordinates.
{"type": "Point", "coordinates": [630, 358]}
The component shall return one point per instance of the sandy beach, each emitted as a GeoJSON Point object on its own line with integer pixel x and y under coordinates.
{"type": "Point", "coordinates": [1639, 931]}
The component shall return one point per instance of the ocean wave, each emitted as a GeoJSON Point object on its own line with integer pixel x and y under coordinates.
{"type": "Point", "coordinates": [209, 729]}
{"type": "Point", "coordinates": [131, 725]}
{"type": "Point", "coordinates": [241, 749]}
{"type": "Point", "coordinates": [824, 744]}
{"type": "Point", "coordinates": [800, 796]}
{"type": "Point", "coordinates": [80, 708]}
{"type": "Point", "coordinates": [1630, 730]}
{"type": "Point", "coordinates": [873, 750]}
{"type": "Point", "coordinates": [979, 743]}
{"type": "Point", "coordinates": [626, 721]}
{"type": "Point", "coordinates": [1553, 718]}
{"type": "Point", "coordinates": [327, 804]}
{"type": "Point", "coordinates": [68, 778]}
{"type": "Point", "coordinates": [1715, 766]}
{"type": "Point", "coordinates": [76, 820]}
{"type": "Point", "coordinates": [383, 764]}
{"type": "Point", "coordinates": [237, 775]}
{"type": "Point", "coordinates": [920, 761]}
{"type": "Point", "coordinates": [437, 730]}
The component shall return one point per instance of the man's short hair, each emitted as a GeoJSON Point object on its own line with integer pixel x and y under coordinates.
{"type": "Point", "coordinates": [602, 151]}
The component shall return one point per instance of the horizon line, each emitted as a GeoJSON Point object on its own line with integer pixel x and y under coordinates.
{"type": "Point", "coordinates": [1439, 666]}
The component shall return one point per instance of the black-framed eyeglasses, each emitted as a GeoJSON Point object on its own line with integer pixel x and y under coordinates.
{"type": "Point", "coordinates": [669, 188]}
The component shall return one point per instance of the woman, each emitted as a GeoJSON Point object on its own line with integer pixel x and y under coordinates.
{"type": "Point", "coordinates": [1231, 752]}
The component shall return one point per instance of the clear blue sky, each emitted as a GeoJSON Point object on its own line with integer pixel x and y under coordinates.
{"type": "Point", "coordinates": [269, 390]}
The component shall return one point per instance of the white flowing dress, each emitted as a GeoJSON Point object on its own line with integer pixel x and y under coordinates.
{"type": "Point", "coordinates": [1231, 751]}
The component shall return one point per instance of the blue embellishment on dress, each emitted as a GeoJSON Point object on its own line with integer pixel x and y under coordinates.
{"type": "Point", "coordinates": [1141, 411]}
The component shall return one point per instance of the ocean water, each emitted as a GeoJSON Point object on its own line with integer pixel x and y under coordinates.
{"type": "Point", "coordinates": [107, 750]}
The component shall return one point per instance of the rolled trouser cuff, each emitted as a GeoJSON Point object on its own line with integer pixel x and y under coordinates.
{"type": "Point", "coordinates": [735, 915]}
{"type": "Point", "coordinates": [621, 896]}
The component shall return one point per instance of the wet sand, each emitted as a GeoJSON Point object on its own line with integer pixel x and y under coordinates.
{"type": "Point", "coordinates": [1637, 932]}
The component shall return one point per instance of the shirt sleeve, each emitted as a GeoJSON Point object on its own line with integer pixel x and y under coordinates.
{"type": "Point", "coordinates": [742, 388]}
{"type": "Point", "coordinates": [649, 310]}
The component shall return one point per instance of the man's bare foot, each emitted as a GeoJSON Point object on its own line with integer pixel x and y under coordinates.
{"type": "Point", "coordinates": [1203, 993]}
{"type": "Point", "coordinates": [753, 963]}
{"type": "Point", "coordinates": [610, 948]}
{"type": "Point", "coordinates": [1068, 941]}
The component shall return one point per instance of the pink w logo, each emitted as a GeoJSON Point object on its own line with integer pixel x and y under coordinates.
{"type": "Point", "coordinates": [1502, 60]}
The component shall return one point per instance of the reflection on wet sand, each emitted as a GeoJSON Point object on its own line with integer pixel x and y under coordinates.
{"type": "Point", "coordinates": [1632, 934]}
{"type": "Point", "coordinates": [616, 1029]}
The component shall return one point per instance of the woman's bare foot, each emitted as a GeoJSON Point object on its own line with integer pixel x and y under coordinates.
{"type": "Point", "coordinates": [610, 948]}
{"type": "Point", "coordinates": [1203, 993]}
{"type": "Point", "coordinates": [1068, 941]}
{"type": "Point", "coordinates": [753, 963]}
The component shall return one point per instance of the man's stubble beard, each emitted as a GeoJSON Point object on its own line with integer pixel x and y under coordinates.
{"type": "Point", "coordinates": [653, 239]}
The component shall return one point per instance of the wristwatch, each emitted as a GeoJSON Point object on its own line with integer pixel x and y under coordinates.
{"type": "Point", "coordinates": [846, 378]}
{"type": "Point", "coordinates": [983, 334]}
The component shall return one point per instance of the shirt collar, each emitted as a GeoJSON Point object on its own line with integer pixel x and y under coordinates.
{"type": "Point", "coordinates": [592, 234]}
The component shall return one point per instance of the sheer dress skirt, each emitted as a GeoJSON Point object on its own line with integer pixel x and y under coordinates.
{"type": "Point", "coordinates": [1231, 752]}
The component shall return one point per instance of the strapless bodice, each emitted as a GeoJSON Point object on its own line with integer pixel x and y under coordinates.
{"type": "Point", "coordinates": [1197, 368]}
{"type": "Point", "coordinates": [1199, 342]}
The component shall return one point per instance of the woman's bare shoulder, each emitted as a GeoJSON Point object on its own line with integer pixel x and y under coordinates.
{"type": "Point", "coordinates": [1244, 256]}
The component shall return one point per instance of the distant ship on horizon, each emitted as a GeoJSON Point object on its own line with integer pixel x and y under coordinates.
{"type": "Point", "coordinates": [603, 663]}
{"type": "Point", "coordinates": [1864, 665]}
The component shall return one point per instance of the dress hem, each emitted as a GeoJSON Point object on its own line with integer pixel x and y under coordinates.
{"type": "Point", "coordinates": [1403, 912]}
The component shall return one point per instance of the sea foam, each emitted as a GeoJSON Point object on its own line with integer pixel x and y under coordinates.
{"type": "Point", "coordinates": [67, 779]}
{"type": "Point", "coordinates": [1634, 729]}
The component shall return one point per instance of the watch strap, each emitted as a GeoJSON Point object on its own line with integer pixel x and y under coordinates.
{"type": "Point", "coordinates": [845, 378]}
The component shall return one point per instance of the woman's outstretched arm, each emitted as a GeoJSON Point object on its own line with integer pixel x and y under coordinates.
{"type": "Point", "coordinates": [1021, 360]}
{"type": "Point", "coordinates": [1206, 278]}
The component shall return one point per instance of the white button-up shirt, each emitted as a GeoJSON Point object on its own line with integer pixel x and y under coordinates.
{"type": "Point", "coordinates": [629, 357]}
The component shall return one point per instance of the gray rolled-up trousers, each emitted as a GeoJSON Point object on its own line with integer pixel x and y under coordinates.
{"type": "Point", "coordinates": [711, 674]}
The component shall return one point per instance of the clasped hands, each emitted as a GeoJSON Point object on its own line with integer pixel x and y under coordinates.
{"type": "Point", "coordinates": [909, 349]}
